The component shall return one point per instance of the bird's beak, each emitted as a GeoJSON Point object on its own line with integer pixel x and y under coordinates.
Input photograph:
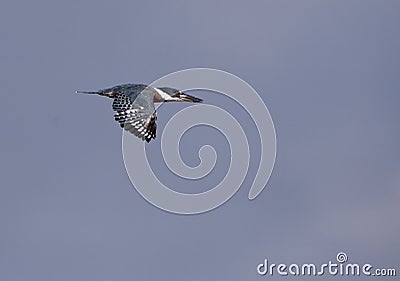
{"type": "Point", "coordinates": [187, 98]}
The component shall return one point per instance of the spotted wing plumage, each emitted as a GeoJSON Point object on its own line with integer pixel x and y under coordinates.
{"type": "Point", "coordinates": [136, 113]}
{"type": "Point", "coordinates": [121, 102]}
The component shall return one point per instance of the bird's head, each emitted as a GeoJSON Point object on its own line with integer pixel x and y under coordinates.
{"type": "Point", "coordinates": [177, 95]}
{"type": "Point", "coordinates": [170, 91]}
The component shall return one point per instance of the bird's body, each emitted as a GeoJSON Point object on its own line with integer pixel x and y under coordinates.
{"type": "Point", "coordinates": [134, 106]}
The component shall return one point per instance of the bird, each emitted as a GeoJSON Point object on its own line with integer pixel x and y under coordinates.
{"type": "Point", "coordinates": [134, 106]}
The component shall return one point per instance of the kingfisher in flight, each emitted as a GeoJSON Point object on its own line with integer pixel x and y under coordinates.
{"type": "Point", "coordinates": [134, 106]}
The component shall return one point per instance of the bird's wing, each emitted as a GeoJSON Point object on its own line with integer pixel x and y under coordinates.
{"type": "Point", "coordinates": [136, 113]}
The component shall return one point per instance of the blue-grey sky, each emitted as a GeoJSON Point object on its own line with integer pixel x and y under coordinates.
{"type": "Point", "coordinates": [328, 72]}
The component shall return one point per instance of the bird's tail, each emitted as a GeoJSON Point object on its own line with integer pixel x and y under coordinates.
{"type": "Point", "coordinates": [187, 98]}
{"type": "Point", "coordinates": [87, 92]}
{"type": "Point", "coordinates": [105, 93]}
